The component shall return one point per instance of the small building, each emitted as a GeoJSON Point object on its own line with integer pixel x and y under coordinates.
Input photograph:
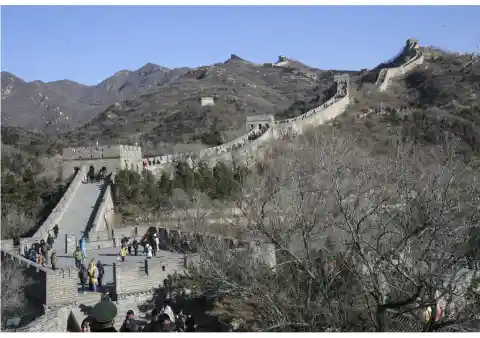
{"type": "Point", "coordinates": [207, 101]}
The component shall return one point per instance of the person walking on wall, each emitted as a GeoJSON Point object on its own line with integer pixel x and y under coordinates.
{"type": "Point", "coordinates": [55, 231]}
{"type": "Point", "coordinates": [94, 279]}
{"type": "Point", "coordinates": [149, 251]}
{"type": "Point", "coordinates": [123, 253]}
{"type": "Point", "coordinates": [44, 250]}
{"type": "Point", "coordinates": [40, 259]}
{"type": "Point", "coordinates": [135, 247]}
{"type": "Point", "coordinates": [83, 246]}
{"type": "Point", "coordinates": [77, 255]}
{"type": "Point", "coordinates": [83, 275]}
{"type": "Point", "coordinates": [53, 259]}
{"type": "Point", "coordinates": [50, 240]}
{"type": "Point", "coordinates": [101, 272]}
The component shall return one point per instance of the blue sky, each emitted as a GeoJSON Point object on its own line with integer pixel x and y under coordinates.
{"type": "Point", "coordinates": [89, 43]}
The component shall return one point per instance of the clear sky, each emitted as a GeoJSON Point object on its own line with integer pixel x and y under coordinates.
{"type": "Point", "coordinates": [89, 43]}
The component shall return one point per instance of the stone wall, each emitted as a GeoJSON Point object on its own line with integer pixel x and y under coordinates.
{"type": "Point", "coordinates": [104, 217]}
{"type": "Point", "coordinates": [52, 321]}
{"type": "Point", "coordinates": [387, 74]}
{"type": "Point", "coordinates": [113, 158]}
{"type": "Point", "coordinates": [143, 276]}
{"type": "Point", "coordinates": [51, 288]}
{"type": "Point", "coordinates": [57, 213]}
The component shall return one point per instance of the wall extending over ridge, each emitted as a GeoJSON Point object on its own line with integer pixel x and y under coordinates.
{"type": "Point", "coordinates": [387, 74]}
{"type": "Point", "coordinates": [257, 136]}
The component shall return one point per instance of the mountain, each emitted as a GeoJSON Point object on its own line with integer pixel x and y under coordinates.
{"type": "Point", "coordinates": [172, 114]}
{"type": "Point", "coordinates": [58, 106]}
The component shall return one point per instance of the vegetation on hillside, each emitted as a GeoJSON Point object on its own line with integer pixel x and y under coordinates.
{"type": "Point", "coordinates": [136, 194]}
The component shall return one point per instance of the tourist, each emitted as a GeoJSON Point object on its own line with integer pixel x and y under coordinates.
{"type": "Point", "coordinates": [44, 250]}
{"type": "Point", "coordinates": [101, 273]}
{"type": "Point", "coordinates": [129, 249]}
{"type": "Point", "coordinates": [50, 240]}
{"type": "Point", "coordinates": [157, 243]}
{"type": "Point", "coordinates": [190, 324]}
{"type": "Point", "coordinates": [94, 279]}
{"type": "Point", "coordinates": [33, 255]}
{"type": "Point", "coordinates": [83, 275]}
{"type": "Point", "coordinates": [85, 326]}
{"type": "Point", "coordinates": [135, 246]}
{"type": "Point", "coordinates": [103, 317]}
{"type": "Point", "coordinates": [83, 247]}
{"type": "Point", "coordinates": [36, 247]}
{"type": "Point", "coordinates": [123, 253]}
{"type": "Point", "coordinates": [130, 324]}
{"type": "Point", "coordinates": [40, 259]}
{"type": "Point", "coordinates": [124, 241]}
{"type": "Point", "coordinates": [148, 247]}
{"type": "Point", "coordinates": [77, 255]}
{"type": "Point", "coordinates": [53, 259]}
{"type": "Point", "coordinates": [55, 231]}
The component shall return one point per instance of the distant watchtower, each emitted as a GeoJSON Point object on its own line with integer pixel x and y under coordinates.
{"type": "Point", "coordinates": [259, 121]}
{"type": "Point", "coordinates": [110, 158]}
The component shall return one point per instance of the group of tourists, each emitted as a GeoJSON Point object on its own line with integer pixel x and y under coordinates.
{"type": "Point", "coordinates": [91, 276]}
{"type": "Point", "coordinates": [163, 319]}
{"type": "Point", "coordinates": [150, 243]}
{"type": "Point", "coordinates": [41, 252]}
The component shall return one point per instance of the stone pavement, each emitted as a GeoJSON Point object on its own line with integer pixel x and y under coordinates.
{"type": "Point", "coordinates": [77, 214]}
{"type": "Point", "coordinates": [108, 256]}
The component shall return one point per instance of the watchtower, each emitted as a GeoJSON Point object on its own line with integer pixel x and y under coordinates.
{"type": "Point", "coordinates": [260, 121]}
{"type": "Point", "coordinates": [111, 158]}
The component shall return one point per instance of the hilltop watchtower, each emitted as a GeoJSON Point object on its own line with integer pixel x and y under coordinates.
{"type": "Point", "coordinates": [111, 158]}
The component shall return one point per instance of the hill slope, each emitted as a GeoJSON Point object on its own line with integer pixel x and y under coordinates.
{"type": "Point", "coordinates": [63, 105]}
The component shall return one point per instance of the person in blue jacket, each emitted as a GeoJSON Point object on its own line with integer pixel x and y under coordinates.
{"type": "Point", "coordinates": [83, 247]}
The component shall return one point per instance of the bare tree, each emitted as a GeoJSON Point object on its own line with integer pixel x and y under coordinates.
{"type": "Point", "coordinates": [364, 242]}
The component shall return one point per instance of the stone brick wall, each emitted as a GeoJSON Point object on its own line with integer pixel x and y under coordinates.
{"type": "Point", "coordinates": [57, 213]}
{"type": "Point", "coordinates": [143, 276]}
{"type": "Point", "coordinates": [52, 321]}
{"type": "Point", "coordinates": [51, 288]}
{"type": "Point", "coordinates": [104, 216]}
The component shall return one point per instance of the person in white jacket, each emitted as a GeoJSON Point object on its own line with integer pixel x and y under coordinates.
{"type": "Point", "coordinates": [149, 251]}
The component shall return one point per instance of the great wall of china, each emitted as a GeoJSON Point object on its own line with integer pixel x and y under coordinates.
{"type": "Point", "coordinates": [87, 209]}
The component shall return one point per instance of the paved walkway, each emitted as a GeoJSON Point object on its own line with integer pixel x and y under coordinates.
{"type": "Point", "coordinates": [108, 256]}
{"type": "Point", "coordinates": [75, 218]}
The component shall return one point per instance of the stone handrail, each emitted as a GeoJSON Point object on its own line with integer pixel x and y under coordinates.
{"type": "Point", "coordinates": [99, 223]}
{"type": "Point", "coordinates": [57, 213]}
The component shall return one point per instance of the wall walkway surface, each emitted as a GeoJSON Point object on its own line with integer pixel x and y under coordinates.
{"type": "Point", "coordinates": [76, 215]}
{"type": "Point", "coordinates": [58, 212]}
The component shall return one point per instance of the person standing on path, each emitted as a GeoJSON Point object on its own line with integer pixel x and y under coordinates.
{"type": "Point", "coordinates": [53, 260]}
{"type": "Point", "coordinates": [135, 247]}
{"type": "Point", "coordinates": [83, 247]}
{"type": "Point", "coordinates": [50, 240]}
{"type": "Point", "coordinates": [44, 250]}
{"type": "Point", "coordinates": [77, 255]}
{"type": "Point", "coordinates": [101, 272]}
{"type": "Point", "coordinates": [83, 275]}
{"type": "Point", "coordinates": [55, 231]}
{"type": "Point", "coordinates": [123, 253]}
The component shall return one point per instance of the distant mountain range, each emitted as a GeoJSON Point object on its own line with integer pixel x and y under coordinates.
{"type": "Point", "coordinates": [157, 104]}
{"type": "Point", "coordinates": [62, 105]}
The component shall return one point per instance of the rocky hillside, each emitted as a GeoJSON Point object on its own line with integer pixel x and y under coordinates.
{"type": "Point", "coordinates": [64, 105]}
{"type": "Point", "coordinates": [172, 114]}
{"type": "Point", "coordinates": [439, 98]}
